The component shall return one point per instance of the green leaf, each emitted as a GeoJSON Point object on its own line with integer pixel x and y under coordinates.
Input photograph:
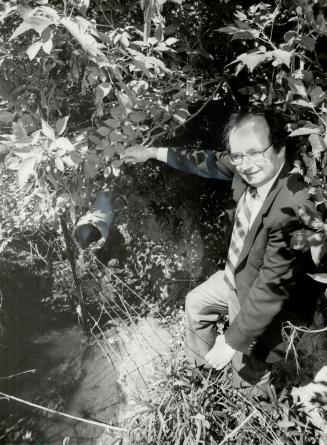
{"type": "Point", "coordinates": [48, 46]}
{"type": "Point", "coordinates": [61, 125]}
{"type": "Point", "coordinates": [317, 143]}
{"type": "Point", "coordinates": [102, 91]}
{"type": "Point", "coordinates": [112, 123]}
{"type": "Point", "coordinates": [321, 277]}
{"type": "Point", "coordinates": [305, 130]}
{"type": "Point", "coordinates": [59, 164]}
{"type": "Point", "coordinates": [19, 130]}
{"type": "Point", "coordinates": [26, 152]}
{"type": "Point", "coordinates": [73, 159]}
{"type": "Point", "coordinates": [308, 42]}
{"type": "Point", "coordinates": [90, 166]}
{"type": "Point", "coordinates": [302, 103]}
{"type": "Point", "coordinates": [47, 130]}
{"type": "Point", "coordinates": [62, 200]}
{"type": "Point", "coordinates": [65, 144]}
{"type": "Point", "coordinates": [125, 101]}
{"type": "Point", "coordinates": [104, 131]}
{"type": "Point", "coordinates": [170, 41]}
{"type": "Point", "coordinates": [317, 95]}
{"type": "Point", "coordinates": [237, 33]}
{"type": "Point", "coordinates": [253, 59]}
{"type": "Point", "coordinates": [33, 49]}
{"type": "Point", "coordinates": [37, 23]}
{"type": "Point", "coordinates": [297, 86]}
{"type": "Point", "coordinates": [124, 39]}
{"type": "Point", "coordinates": [137, 116]}
{"type": "Point", "coordinates": [282, 56]}
{"type": "Point", "coordinates": [81, 34]}
{"type": "Point", "coordinates": [246, 34]}
{"type": "Point", "coordinates": [116, 136]}
{"type": "Point", "coordinates": [26, 169]}
{"type": "Point", "coordinates": [289, 36]}
{"type": "Point", "coordinates": [181, 115]}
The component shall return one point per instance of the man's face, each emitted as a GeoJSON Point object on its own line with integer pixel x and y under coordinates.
{"type": "Point", "coordinates": [254, 134]}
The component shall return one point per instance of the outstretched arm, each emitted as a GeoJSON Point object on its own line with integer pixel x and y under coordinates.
{"type": "Point", "coordinates": [205, 163]}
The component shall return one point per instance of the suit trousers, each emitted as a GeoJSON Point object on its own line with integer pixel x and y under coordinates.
{"type": "Point", "coordinates": [203, 306]}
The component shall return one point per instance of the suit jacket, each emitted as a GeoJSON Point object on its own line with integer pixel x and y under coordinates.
{"type": "Point", "coordinates": [271, 278]}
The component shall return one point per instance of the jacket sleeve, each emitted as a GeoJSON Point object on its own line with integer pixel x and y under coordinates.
{"type": "Point", "coordinates": [205, 163]}
{"type": "Point", "coordinates": [270, 290]}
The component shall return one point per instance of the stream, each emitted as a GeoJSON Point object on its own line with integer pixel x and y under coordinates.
{"type": "Point", "coordinates": [72, 375]}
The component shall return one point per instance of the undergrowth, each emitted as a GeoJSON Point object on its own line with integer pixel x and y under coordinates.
{"type": "Point", "coordinates": [189, 406]}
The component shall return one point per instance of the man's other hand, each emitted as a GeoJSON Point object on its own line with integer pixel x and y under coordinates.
{"type": "Point", "coordinates": [221, 354]}
{"type": "Point", "coordinates": [139, 153]}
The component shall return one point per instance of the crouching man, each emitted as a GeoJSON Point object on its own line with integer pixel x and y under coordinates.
{"type": "Point", "coordinates": [265, 281]}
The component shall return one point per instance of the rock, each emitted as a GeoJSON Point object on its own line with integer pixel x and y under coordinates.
{"type": "Point", "coordinates": [145, 355]}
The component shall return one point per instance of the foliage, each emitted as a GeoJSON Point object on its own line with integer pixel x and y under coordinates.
{"type": "Point", "coordinates": [81, 81]}
{"type": "Point", "coordinates": [106, 82]}
{"type": "Point", "coordinates": [190, 406]}
{"type": "Point", "coordinates": [99, 78]}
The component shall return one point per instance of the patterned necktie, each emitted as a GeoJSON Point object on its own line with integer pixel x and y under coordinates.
{"type": "Point", "coordinates": [240, 230]}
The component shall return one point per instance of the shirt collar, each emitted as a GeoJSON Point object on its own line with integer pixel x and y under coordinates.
{"type": "Point", "coordinates": [263, 190]}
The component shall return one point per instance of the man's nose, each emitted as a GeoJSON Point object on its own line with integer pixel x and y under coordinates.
{"type": "Point", "coordinates": [246, 164]}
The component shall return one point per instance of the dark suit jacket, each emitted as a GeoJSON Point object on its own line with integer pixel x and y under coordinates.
{"type": "Point", "coordinates": [271, 278]}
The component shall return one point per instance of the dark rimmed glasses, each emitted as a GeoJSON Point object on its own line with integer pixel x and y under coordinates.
{"type": "Point", "coordinates": [253, 155]}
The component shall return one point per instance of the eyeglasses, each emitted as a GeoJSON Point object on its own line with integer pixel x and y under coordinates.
{"type": "Point", "coordinates": [253, 155]}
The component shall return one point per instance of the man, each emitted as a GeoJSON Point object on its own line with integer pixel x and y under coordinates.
{"type": "Point", "coordinates": [265, 281]}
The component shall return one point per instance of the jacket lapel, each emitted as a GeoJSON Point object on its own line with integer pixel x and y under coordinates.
{"type": "Point", "coordinates": [278, 184]}
{"type": "Point", "coordinates": [239, 187]}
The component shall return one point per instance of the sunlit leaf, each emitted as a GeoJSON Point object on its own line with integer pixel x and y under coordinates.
{"type": "Point", "coordinates": [317, 95]}
{"type": "Point", "coordinates": [181, 115]}
{"type": "Point", "coordinates": [72, 159]}
{"type": "Point", "coordinates": [321, 277]}
{"type": "Point", "coordinates": [59, 164]}
{"type": "Point", "coordinates": [124, 39]}
{"type": "Point", "coordinates": [297, 86]}
{"type": "Point", "coordinates": [125, 101]}
{"type": "Point", "coordinates": [170, 41]}
{"type": "Point", "coordinates": [19, 130]}
{"type": "Point", "coordinates": [37, 23]}
{"type": "Point", "coordinates": [81, 34]}
{"type": "Point", "coordinates": [26, 169]}
{"type": "Point", "coordinates": [33, 49]}
{"type": "Point", "coordinates": [283, 56]}
{"type": "Point", "coordinates": [47, 130]}
{"type": "Point", "coordinates": [302, 103]}
{"type": "Point", "coordinates": [305, 130]}
{"type": "Point", "coordinates": [48, 46]}
{"type": "Point", "coordinates": [61, 125]}
{"type": "Point", "coordinates": [62, 200]}
{"type": "Point", "coordinates": [317, 143]}
{"type": "Point", "coordinates": [65, 144]}
{"type": "Point", "coordinates": [253, 59]}
{"type": "Point", "coordinates": [102, 91]}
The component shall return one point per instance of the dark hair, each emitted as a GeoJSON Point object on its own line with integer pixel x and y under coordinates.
{"type": "Point", "coordinates": [275, 121]}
